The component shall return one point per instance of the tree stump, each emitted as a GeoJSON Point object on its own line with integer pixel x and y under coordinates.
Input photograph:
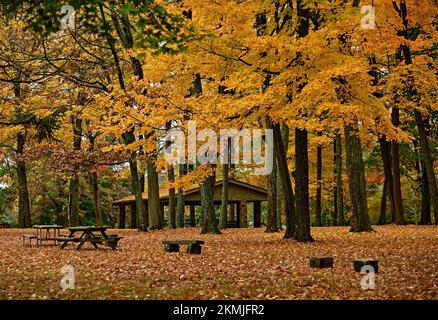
{"type": "Point", "coordinates": [171, 247]}
{"type": "Point", "coordinates": [360, 263]}
{"type": "Point", "coordinates": [321, 262]}
{"type": "Point", "coordinates": [194, 248]}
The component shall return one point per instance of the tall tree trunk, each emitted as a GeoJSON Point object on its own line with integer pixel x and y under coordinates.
{"type": "Point", "coordinates": [382, 216]}
{"type": "Point", "coordinates": [142, 180]}
{"type": "Point", "coordinates": [318, 206]}
{"type": "Point", "coordinates": [24, 219]}
{"type": "Point", "coordinates": [271, 224]}
{"type": "Point", "coordinates": [172, 197]}
{"type": "Point", "coordinates": [171, 179]}
{"type": "Point", "coordinates": [356, 181]}
{"type": "Point", "coordinates": [335, 189]}
{"type": "Point", "coordinates": [273, 200]}
{"type": "Point", "coordinates": [339, 194]}
{"type": "Point", "coordinates": [74, 182]}
{"type": "Point", "coordinates": [428, 163]}
{"type": "Point", "coordinates": [302, 226]}
{"type": "Point", "coordinates": [95, 187]}
{"type": "Point", "coordinates": [180, 201]}
{"type": "Point", "coordinates": [302, 210]}
{"type": "Point", "coordinates": [395, 164]}
{"type": "Point", "coordinates": [209, 222]}
{"type": "Point", "coordinates": [284, 175]}
{"type": "Point", "coordinates": [153, 196]}
{"type": "Point", "coordinates": [425, 197]}
{"type": "Point", "coordinates": [385, 148]}
{"type": "Point", "coordinates": [281, 203]}
{"type": "Point", "coordinates": [224, 197]}
{"type": "Point", "coordinates": [140, 209]}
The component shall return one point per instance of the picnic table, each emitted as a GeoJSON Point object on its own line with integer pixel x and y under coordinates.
{"type": "Point", "coordinates": [92, 234]}
{"type": "Point", "coordinates": [44, 233]}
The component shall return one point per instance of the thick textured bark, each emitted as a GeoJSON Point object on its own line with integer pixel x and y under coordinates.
{"type": "Point", "coordinates": [425, 197]}
{"type": "Point", "coordinates": [284, 175]}
{"type": "Point", "coordinates": [385, 148]}
{"type": "Point", "coordinates": [302, 226]}
{"type": "Point", "coordinates": [382, 216]}
{"type": "Point", "coordinates": [395, 165]}
{"type": "Point", "coordinates": [318, 205]}
{"type": "Point", "coordinates": [281, 203]}
{"type": "Point", "coordinates": [74, 202]}
{"type": "Point", "coordinates": [428, 163]}
{"type": "Point", "coordinates": [142, 180]}
{"type": "Point", "coordinates": [95, 188]}
{"type": "Point", "coordinates": [74, 182]}
{"type": "Point", "coordinates": [139, 204]}
{"type": "Point", "coordinates": [134, 216]}
{"type": "Point", "coordinates": [224, 198]}
{"type": "Point", "coordinates": [273, 195]}
{"type": "Point", "coordinates": [161, 215]}
{"type": "Point", "coordinates": [271, 223]}
{"type": "Point", "coordinates": [172, 198]}
{"type": "Point", "coordinates": [172, 193]}
{"type": "Point", "coordinates": [339, 194]}
{"type": "Point", "coordinates": [180, 201]}
{"type": "Point", "coordinates": [24, 219]}
{"type": "Point", "coordinates": [335, 189]}
{"type": "Point", "coordinates": [153, 196]}
{"type": "Point", "coordinates": [302, 210]}
{"type": "Point", "coordinates": [209, 222]}
{"type": "Point", "coordinates": [356, 181]}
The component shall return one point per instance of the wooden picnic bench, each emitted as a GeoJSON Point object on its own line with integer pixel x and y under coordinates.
{"type": "Point", "coordinates": [193, 246]}
{"type": "Point", "coordinates": [88, 235]}
{"type": "Point", "coordinates": [43, 233]}
{"type": "Point", "coordinates": [27, 239]}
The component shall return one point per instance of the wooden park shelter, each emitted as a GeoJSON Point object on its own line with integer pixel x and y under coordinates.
{"type": "Point", "coordinates": [240, 194]}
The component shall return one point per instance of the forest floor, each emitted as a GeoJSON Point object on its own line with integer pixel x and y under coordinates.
{"type": "Point", "coordinates": [239, 264]}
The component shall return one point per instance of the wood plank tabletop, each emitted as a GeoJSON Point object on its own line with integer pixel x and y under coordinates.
{"type": "Point", "coordinates": [88, 228]}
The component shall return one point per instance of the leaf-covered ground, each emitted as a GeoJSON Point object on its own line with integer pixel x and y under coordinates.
{"type": "Point", "coordinates": [239, 264]}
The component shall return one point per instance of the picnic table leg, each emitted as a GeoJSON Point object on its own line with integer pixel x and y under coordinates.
{"type": "Point", "coordinates": [113, 245]}
{"type": "Point", "coordinates": [86, 235]}
{"type": "Point", "coordinates": [92, 236]}
{"type": "Point", "coordinates": [83, 236]}
{"type": "Point", "coordinates": [104, 234]}
{"type": "Point", "coordinates": [66, 241]}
